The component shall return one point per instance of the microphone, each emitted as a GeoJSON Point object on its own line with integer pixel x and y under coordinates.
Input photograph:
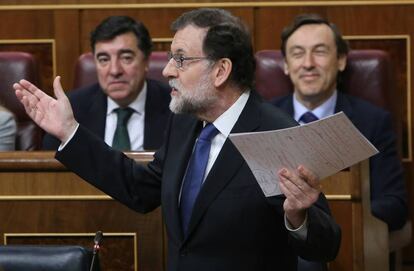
{"type": "Point", "coordinates": [97, 243]}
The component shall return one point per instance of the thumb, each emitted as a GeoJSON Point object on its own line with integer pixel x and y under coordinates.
{"type": "Point", "coordinates": [57, 88]}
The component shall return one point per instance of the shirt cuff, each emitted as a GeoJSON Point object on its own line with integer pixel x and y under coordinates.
{"type": "Point", "coordinates": [63, 144]}
{"type": "Point", "coordinates": [300, 233]}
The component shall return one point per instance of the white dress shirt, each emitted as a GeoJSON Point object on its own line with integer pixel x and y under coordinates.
{"type": "Point", "coordinates": [324, 110]}
{"type": "Point", "coordinates": [225, 123]}
{"type": "Point", "coordinates": [136, 123]}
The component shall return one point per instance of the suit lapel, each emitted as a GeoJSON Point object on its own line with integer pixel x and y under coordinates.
{"type": "Point", "coordinates": [95, 118]}
{"type": "Point", "coordinates": [156, 115]}
{"type": "Point", "coordinates": [227, 164]}
{"type": "Point", "coordinates": [150, 111]}
{"type": "Point", "coordinates": [287, 104]}
{"type": "Point", "coordinates": [187, 130]}
{"type": "Point", "coordinates": [343, 104]}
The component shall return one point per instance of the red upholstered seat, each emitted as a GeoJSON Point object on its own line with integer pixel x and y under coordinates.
{"type": "Point", "coordinates": [85, 72]}
{"type": "Point", "coordinates": [13, 67]}
{"type": "Point", "coordinates": [271, 81]}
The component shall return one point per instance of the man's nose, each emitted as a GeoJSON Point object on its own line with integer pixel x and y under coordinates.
{"type": "Point", "coordinates": [115, 68]}
{"type": "Point", "coordinates": [308, 61]}
{"type": "Point", "coordinates": [170, 69]}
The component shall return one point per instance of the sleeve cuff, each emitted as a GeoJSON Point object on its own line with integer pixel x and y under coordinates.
{"type": "Point", "coordinates": [63, 144]}
{"type": "Point", "coordinates": [301, 232]}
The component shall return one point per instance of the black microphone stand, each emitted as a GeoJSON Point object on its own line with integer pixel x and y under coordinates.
{"type": "Point", "coordinates": [97, 242]}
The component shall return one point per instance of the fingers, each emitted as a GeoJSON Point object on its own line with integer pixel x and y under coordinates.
{"type": "Point", "coordinates": [293, 180]}
{"type": "Point", "coordinates": [26, 87]}
{"type": "Point", "coordinates": [307, 175]}
{"type": "Point", "coordinates": [288, 188]}
{"type": "Point", "coordinates": [57, 88]}
{"type": "Point", "coordinates": [300, 184]}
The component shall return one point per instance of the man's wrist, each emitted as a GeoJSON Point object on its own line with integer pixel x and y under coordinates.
{"type": "Point", "coordinates": [69, 137]}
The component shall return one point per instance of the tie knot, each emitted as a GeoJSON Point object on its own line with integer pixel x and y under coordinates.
{"type": "Point", "coordinates": [208, 132]}
{"type": "Point", "coordinates": [308, 117]}
{"type": "Point", "coordinates": [123, 115]}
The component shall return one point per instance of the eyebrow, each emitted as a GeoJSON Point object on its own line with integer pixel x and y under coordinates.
{"type": "Point", "coordinates": [324, 45]}
{"type": "Point", "coordinates": [179, 51]}
{"type": "Point", "coordinates": [295, 47]}
{"type": "Point", "coordinates": [101, 54]}
{"type": "Point", "coordinates": [121, 51]}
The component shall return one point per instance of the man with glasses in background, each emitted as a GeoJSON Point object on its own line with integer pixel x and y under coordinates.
{"type": "Point", "coordinates": [127, 110]}
{"type": "Point", "coordinates": [216, 216]}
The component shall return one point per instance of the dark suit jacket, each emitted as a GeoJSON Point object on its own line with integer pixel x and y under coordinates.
{"type": "Point", "coordinates": [90, 104]}
{"type": "Point", "coordinates": [233, 225]}
{"type": "Point", "coordinates": [388, 193]}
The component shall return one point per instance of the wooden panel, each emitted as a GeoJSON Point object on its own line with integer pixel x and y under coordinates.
{"type": "Point", "coordinates": [42, 203]}
{"type": "Point", "coordinates": [66, 28]}
{"type": "Point", "coordinates": [344, 259]}
{"type": "Point", "coordinates": [26, 24]}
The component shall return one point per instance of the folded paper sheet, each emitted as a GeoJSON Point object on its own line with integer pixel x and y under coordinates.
{"type": "Point", "coordinates": [325, 146]}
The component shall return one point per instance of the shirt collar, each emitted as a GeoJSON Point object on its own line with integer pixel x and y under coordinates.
{"type": "Point", "coordinates": [226, 121]}
{"type": "Point", "coordinates": [324, 110]}
{"type": "Point", "coordinates": [138, 104]}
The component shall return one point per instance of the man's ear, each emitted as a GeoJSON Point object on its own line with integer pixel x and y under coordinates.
{"type": "Point", "coordinates": [285, 67]}
{"type": "Point", "coordinates": [146, 63]}
{"type": "Point", "coordinates": [222, 70]}
{"type": "Point", "coordinates": [341, 63]}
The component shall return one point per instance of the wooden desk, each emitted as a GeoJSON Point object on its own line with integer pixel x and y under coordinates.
{"type": "Point", "coordinates": [42, 203]}
{"type": "Point", "coordinates": [364, 244]}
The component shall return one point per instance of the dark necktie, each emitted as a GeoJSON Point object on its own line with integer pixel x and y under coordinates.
{"type": "Point", "coordinates": [121, 137]}
{"type": "Point", "coordinates": [308, 117]}
{"type": "Point", "coordinates": [195, 173]}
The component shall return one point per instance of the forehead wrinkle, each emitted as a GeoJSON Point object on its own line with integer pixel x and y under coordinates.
{"type": "Point", "coordinates": [311, 32]}
{"type": "Point", "coordinates": [189, 40]}
{"type": "Point", "coordinates": [126, 50]}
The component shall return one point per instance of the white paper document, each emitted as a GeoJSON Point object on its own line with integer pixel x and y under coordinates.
{"type": "Point", "coordinates": [325, 147]}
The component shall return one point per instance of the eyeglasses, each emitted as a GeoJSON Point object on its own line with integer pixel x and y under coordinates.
{"type": "Point", "coordinates": [179, 59]}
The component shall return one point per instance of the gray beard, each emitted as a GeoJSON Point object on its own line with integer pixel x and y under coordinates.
{"type": "Point", "coordinates": [194, 102]}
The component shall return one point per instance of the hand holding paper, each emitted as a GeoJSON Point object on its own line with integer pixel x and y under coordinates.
{"type": "Point", "coordinates": [301, 189]}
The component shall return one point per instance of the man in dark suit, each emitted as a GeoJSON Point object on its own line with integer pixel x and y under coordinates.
{"type": "Point", "coordinates": [315, 53]}
{"type": "Point", "coordinates": [216, 216]}
{"type": "Point", "coordinates": [121, 48]}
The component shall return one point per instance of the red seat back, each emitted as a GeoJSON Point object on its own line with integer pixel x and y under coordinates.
{"type": "Point", "coordinates": [15, 66]}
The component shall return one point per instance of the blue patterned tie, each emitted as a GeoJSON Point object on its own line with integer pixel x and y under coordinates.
{"type": "Point", "coordinates": [308, 117]}
{"type": "Point", "coordinates": [194, 176]}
